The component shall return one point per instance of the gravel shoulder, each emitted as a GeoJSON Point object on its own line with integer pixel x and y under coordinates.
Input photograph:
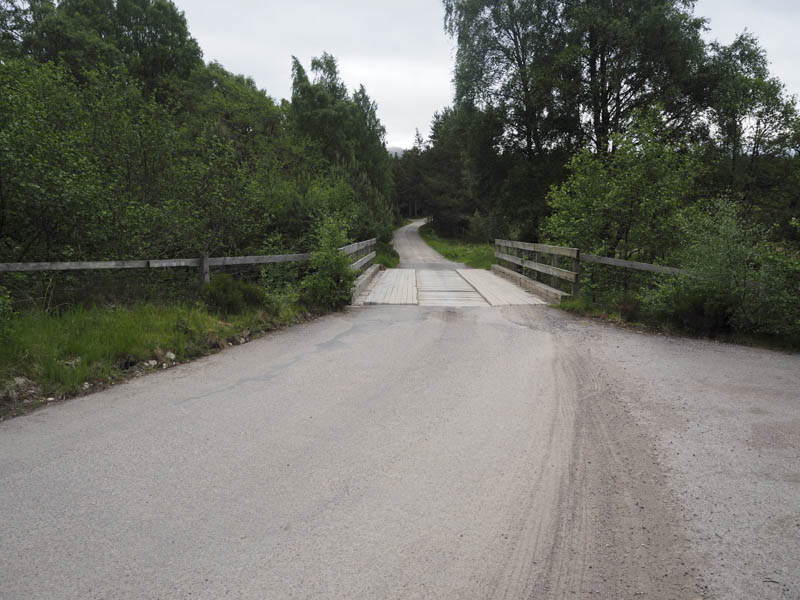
{"type": "Point", "coordinates": [721, 425]}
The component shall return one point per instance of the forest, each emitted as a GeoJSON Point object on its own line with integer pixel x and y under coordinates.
{"type": "Point", "coordinates": [611, 127]}
{"type": "Point", "coordinates": [614, 128]}
{"type": "Point", "coordinates": [119, 141]}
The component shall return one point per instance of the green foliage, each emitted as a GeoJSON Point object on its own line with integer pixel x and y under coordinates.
{"type": "Point", "coordinates": [329, 283]}
{"type": "Point", "coordinates": [475, 255]}
{"type": "Point", "coordinates": [6, 310]}
{"type": "Point", "coordinates": [114, 150]}
{"type": "Point", "coordinates": [739, 281]}
{"type": "Point", "coordinates": [232, 296]}
{"type": "Point", "coordinates": [648, 118]}
{"type": "Point", "coordinates": [60, 352]}
{"type": "Point", "coordinates": [280, 279]}
{"type": "Point", "coordinates": [149, 38]}
{"type": "Point", "coordinates": [386, 255]}
{"type": "Point", "coordinates": [346, 129]}
{"type": "Point", "coordinates": [624, 204]}
{"type": "Point", "coordinates": [754, 129]}
{"type": "Point", "coordinates": [566, 72]}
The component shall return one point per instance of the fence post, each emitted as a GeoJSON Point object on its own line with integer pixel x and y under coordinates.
{"type": "Point", "coordinates": [205, 273]}
{"type": "Point", "coordinates": [576, 267]}
{"type": "Point", "coordinates": [553, 278]}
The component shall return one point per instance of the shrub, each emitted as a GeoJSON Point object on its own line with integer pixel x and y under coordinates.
{"type": "Point", "coordinates": [479, 229]}
{"type": "Point", "coordinates": [739, 281]}
{"type": "Point", "coordinates": [231, 296]}
{"type": "Point", "coordinates": [281, 278]}
{"type": "Point", "coordinates": [329, 282]}
{"type": "Point", "coordinates": [6, 309]}
{"type": "Point", "coordinates": [386, 255]}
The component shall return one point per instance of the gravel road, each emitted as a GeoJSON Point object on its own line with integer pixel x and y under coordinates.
{"type": "Point", "coordinates": [415, 253]}
{"type": "Point", "coordinates": [413, 452]}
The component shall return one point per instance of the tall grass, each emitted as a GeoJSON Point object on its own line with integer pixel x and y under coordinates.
{"type": "Point", "coordinates": [386, 255]}
{"type": "Point", "coordinates": [62, 352]}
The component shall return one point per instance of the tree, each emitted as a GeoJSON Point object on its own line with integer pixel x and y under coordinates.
{"type": "Point", "coordinates": [149, 36]}
{"type": "Point", "coordinates": [510, 55]}
{"type": "Point", "coordinates": [566, 71]}
{"type": "Point", "coordinates": [751, 138]}
{"type": "Point", "coordinates": [350, 135]}
{"type": "Point", "coordinates": [631, 56]}
{"type": "Point", "coordinates": [625, 204]}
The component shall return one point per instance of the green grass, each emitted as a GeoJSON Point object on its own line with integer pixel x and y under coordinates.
{"type": "Point", "coordinates": [98, 345]}
{"type": "Point", "coordinates": [386, 255]}
{"type": "Point", "coordinates": [475, 255]}
{"type": "Point", "coordinates": [612, 314]}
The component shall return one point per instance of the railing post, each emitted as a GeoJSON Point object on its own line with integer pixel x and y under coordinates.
{"type": "Point", "coordinates": [553, 278]}
{"type": "Point", "coordinates": [205, 272]}
{"type": "Point", "coordinates": [576, 267]}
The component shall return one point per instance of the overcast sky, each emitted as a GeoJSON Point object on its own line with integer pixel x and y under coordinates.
{"type": "Point", "coordinates": [398, 49]}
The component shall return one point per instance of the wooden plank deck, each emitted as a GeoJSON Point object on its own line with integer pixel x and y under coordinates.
{"type": "Point", "coordinates": [446, 288]}
{"type": "Point", "coordinates": [496, 290]}
{"type": "Point", "coordinates": [462, 287]}
{"type": "Point", "coordinates": [394, 286]}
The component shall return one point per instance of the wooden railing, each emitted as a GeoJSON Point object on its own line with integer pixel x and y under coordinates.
{"type": "Point", "coordinates": [541, 258]}
{"type": "Point", "coordinates": [363, 253]}
{"type": "Point", "coordinates": [560, 263]}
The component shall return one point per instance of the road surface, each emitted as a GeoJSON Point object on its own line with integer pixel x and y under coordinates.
{"type": "Point", "coordinates": [415, 253]}
{"type": "Point", "coordinates": [417, 452]}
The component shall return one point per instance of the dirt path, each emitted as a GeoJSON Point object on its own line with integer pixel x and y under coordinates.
{"type": "Point", "coordinates": [415, 253]}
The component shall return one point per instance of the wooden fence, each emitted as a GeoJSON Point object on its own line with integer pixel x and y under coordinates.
{"type": "Point", "coordinates": [362, 252]}
{"type": "Point", "coordinates": [560, 263]}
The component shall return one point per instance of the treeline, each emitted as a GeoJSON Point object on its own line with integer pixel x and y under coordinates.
{"type": "Point", "coordinates": [538, 82]}
{"type": "Point", "coordinates": [118, 141]}
{"type": "Point", "coordinates": [613, 127]}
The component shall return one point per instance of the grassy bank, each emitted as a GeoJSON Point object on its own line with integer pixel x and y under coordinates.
{"type": "Point", "coordinates": [475, 255]}
{"type": "Point", "coordinates": [386, 255]}
{"type": "Point", "coordinates": [614, 313]}
{"type": "Point", "coordinates": [47, 356]}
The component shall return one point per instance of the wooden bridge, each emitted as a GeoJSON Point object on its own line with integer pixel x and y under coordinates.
{"type": "Point", "coordinates": [457, 287]}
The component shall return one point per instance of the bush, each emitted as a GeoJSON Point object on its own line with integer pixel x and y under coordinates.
{"type": "Point", "coordinates": [739, 281]}
{"type": "Point", "coordinates": [479, 229]}
{"type": "Point", "coordinates": [330, 280]}
{"type": "Point", "coordinates": [230, 296]}
{"type": "Point", "coordinates": [386, 255]}
{"type": "Point", "coordinates": [625, 203]}
{"type": "Point", "coordinates": [6, 310]}
{"type": "Point", "coordinates": [281, 278]}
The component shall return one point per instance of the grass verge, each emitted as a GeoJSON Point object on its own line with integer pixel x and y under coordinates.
{"type": "Point", "coordinates": [613, 315]}
{"type": "Point", "coordinates": [46, 357]}
{"type": "Point", "coordinates": [475, 255]}
{"type": "Point", "coordinates": [386, 255]}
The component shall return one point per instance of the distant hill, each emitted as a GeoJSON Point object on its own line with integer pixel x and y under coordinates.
{"type": "Point", "coordinates": [395, 150]}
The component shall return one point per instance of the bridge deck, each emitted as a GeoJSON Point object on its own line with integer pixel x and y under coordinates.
{"type": "Point", "coordinates": [446, 288]}
{"type": "Point", "coordinates": [496, 290]}
{"type": "Point", "coordinates": [462, 287]}
{"type": "Point", "coordinates": [394, 286]}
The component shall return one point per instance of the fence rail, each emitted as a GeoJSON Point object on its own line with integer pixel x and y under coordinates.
{"type": "Point", "coordinates": [524, 255]}
{"type": "Point", "coordinates": [632, 264]}
{"type": "Point", "coordinates": [364, 253]}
